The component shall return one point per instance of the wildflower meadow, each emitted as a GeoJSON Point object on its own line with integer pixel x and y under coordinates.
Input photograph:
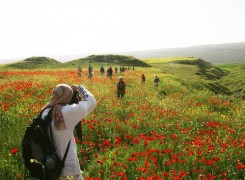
{"type": "Point", "coordinates": [178, 131]}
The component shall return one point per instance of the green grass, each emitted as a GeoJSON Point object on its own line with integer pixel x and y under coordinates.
{"type": "Point", "coordinates": [182, 102]}
{"type": "Point", "coordinates": [167, 60]}
{"type": "Point", "coordinates": [167, 67]}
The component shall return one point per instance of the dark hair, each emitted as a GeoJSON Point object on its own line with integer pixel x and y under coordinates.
{"type": "Point", "coordinates": [75, 98]}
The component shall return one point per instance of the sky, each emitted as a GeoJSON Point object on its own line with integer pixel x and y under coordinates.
{"type": "Point", "coordinates": [77, 27]}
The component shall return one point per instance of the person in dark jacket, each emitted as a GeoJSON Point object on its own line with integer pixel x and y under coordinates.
{"type": "Point", "coordinates": [121, 86]}
{"type": "Point", "coordinates": [143, 79]}
{"type": "Point", "coordinates": [156, 82]}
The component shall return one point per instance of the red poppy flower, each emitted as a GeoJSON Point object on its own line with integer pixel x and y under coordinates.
{"type": "Point", "coordinates": [14, 151]}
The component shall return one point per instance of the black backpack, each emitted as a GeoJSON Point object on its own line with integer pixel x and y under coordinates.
{"type": "Point", "coordinates": [38, 151]}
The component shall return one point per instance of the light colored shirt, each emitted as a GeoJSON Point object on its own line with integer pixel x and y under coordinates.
{"type": "Point", "coordinates": [72, 115]}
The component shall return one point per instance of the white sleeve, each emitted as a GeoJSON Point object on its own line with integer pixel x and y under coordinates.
{"type": "Point", "coordinates": [76, 112]}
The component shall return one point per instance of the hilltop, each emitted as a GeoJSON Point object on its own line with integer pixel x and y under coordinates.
{"type": "Point", "coordinates": [109, 60]}
{"type": "Point", "coordinates": [35, 62]}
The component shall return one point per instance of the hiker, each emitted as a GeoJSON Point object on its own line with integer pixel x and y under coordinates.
{"type": "Point", "coordinates": [102, 70]}
{"type": "Point", "coordinates": [121, 86]}
{"type": "Point", "coordinates": [79, 71]}
{"type": "Point", "coordinates": [116, 69]}
{"type": "Point", "coordinates": [109, 72]}
{"type": "Point", "coordinates": [90, 71]}
{"type": "Point", "coordinates": [143, 79]}
{"type": "Point", "coordinates": [156, 82]}
{"type": "Point", "coordinates": [65, 117]}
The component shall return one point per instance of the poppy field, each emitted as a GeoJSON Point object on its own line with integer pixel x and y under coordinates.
{"type": "Point", "coordinates": [178, 131]}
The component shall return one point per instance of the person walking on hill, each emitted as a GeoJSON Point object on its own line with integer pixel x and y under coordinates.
{"type": "Point", "coordinates": [109, 72]}
{"type": "Point", "coordinates": [102, 70]}
{"type": "Point", "coordinates": [156, 82]}
{"type": "Point", "coordinates": [65, 117]}
{"type": "Point", "coordinates": [121, 87]}
{"type": "Point", "coordinates": [90, 71]}
{"type": "Point", "coordinates": [79, 71]}
{"type": "Point", "coordinates": [143, 79]}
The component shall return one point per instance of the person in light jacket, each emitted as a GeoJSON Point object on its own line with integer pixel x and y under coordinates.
{"type": "Point", "coordinates": [65, 117]}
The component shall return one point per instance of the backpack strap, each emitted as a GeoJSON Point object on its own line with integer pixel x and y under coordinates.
{"type": "Point", "coordinates": [67, 148]}
{"type": "Point", "coordinates": [40, 114]}
{"type": "Point", "coordinates": [52, 140]}
{"type": "Point", "coordinates": [49, 115]}
{"type": "Point", "coordinates": [51, 134]}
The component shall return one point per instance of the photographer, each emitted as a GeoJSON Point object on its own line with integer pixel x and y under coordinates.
{"type": "Point", "coordinates": [65, 116]}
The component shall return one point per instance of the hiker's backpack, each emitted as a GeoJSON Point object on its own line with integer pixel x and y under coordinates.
{"type": "Point", "coordinates": [38, 151]}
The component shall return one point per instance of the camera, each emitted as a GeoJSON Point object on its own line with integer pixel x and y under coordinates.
{"type": "Point", "coordinates": [75, 98]}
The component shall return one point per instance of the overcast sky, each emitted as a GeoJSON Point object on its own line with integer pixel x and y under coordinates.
{"type": "Point", "coordinates": [74, 27]}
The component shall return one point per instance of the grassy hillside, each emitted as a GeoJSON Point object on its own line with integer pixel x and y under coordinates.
{"type": "Point", "coordinates": [189, 65]}
{"type": "Point", "coordinates": [195, 73]}
{"type": "Point", "coordinates": [216, 54]}
{"type": "Point", "coordinates": [94, 60]}
{"type": "Point", "coordinates": [182, 130]}
{"type": "Point", "coordinates": [167, 60]}
{"type": "Point", "coordinates": [108, 60]}
{"type": "Point", "coordinates": [34, 63]}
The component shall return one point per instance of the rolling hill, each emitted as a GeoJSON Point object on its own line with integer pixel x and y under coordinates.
{"type": "Point", "coordinates": [95, 60]}
{"type": "Point", "coordinates": [34, 62]}
{"type": "Point", "coordinates": [108, 60]}
{"type": "Point", "coordinates": [228, 53]}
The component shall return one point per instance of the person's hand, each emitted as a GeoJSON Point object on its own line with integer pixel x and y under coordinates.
{"type": "Point", "coordinates": [82, 92]}
{"type": "Point", "coordinates": [74, 87]}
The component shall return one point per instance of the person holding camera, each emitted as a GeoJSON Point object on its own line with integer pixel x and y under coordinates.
{"type": "Point", "coordinates": [65, 116]}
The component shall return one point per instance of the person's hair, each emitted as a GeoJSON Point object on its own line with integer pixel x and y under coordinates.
{"type": "Point", "coordinates": [75, 98]}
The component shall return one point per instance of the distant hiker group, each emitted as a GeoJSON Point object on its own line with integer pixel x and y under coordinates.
{"type": "Point", "coordinates": [102, 71]}
{"type": "Point", "coordinates": [121, 85]}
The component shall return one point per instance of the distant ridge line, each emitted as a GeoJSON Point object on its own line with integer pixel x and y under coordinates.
{"type": "Point", "coordinates": [227, 53]}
